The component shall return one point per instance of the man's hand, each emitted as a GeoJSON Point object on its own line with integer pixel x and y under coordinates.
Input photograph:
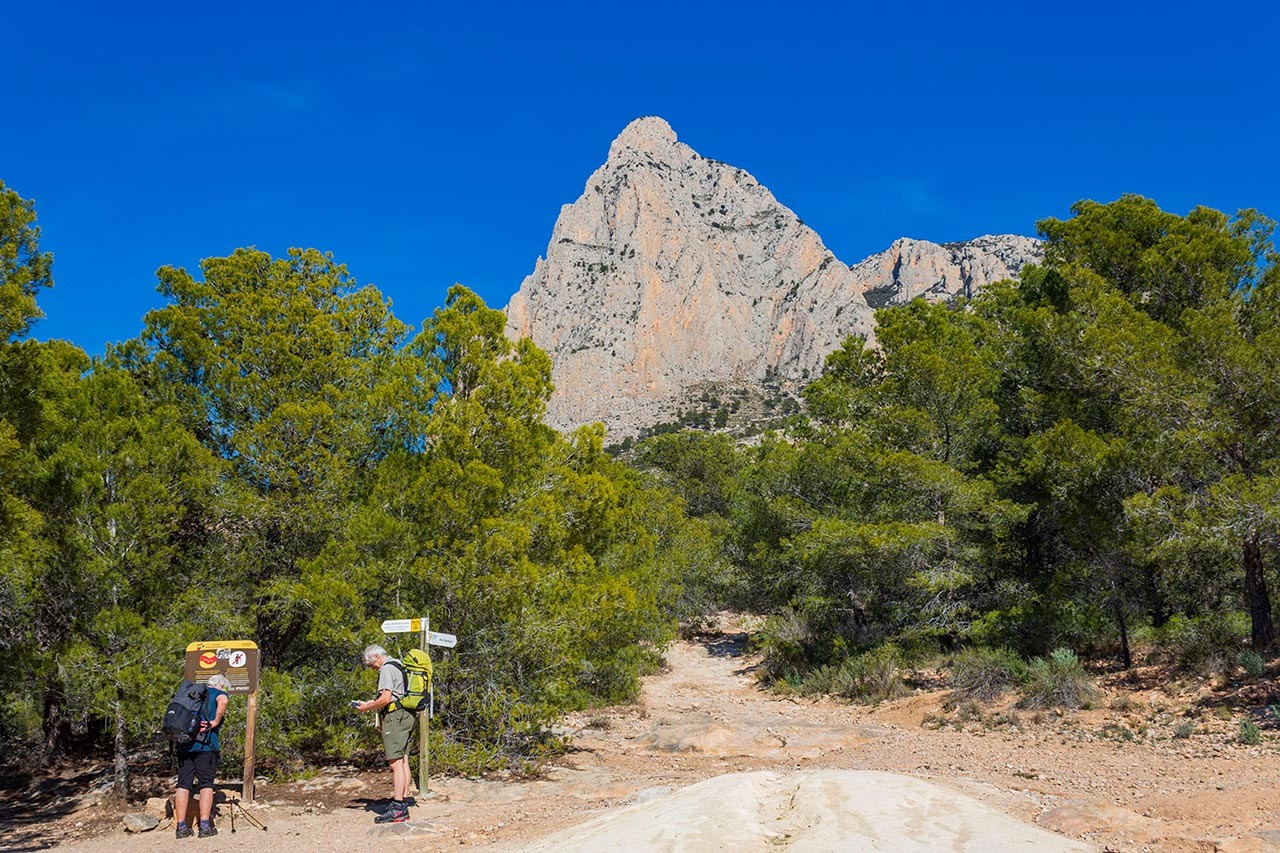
{"type": "Point", "coordinates": [383, 700]}
{"type": "Point", "coordinates": [206, 725]}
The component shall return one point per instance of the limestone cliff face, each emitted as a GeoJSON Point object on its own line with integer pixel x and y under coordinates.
{"type": "Point", "coordinates": [673, 273]}
{"type": "Point", "coordinates": [912, 268]}
{"type": "Point", "coordinates": [673, 270]}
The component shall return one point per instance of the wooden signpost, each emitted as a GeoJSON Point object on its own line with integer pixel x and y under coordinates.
{"type": "Point", "coordinates": [238, 661]}
{"type": "Point", "coordinates": [426, 637]}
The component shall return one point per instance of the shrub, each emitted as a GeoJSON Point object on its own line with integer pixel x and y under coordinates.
{"type": "Point", "coordinates": [874, 676]}
{"type": "Point", "coordinates": [986, 673]}
{"type": "Point", "coordinates": [1204, 645]}
{"type": "Point", "coordinates": [1252, 663]}
{"type": "Point", "coordinates": [1058, 682]}
{"type": "Point", "coordinates": [784, 641]}
{"type": "Point", "coordinates": [1184, 730]}
{"type": "Point", "coordinates": [1249, 733]}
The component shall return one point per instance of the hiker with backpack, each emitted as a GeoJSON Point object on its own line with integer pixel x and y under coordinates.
{"type": "Point", "coordinates": [397, 727]}
{"type": "Point", "coordinates": [194, 731]}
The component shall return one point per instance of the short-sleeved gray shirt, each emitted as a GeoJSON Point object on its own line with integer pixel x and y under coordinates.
{"type": "Point", "coordinates": [391, 678]}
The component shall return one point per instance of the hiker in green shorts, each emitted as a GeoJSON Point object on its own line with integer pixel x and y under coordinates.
{"type": "Point", "coordinates": [397, 728]}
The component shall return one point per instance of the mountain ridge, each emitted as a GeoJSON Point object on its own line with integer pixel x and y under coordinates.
{"type": "Point", "coordinates": [672, 271]}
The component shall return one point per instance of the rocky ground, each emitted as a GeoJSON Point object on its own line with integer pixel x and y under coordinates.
{"type": "Point", "coordinates": [1156, 766]}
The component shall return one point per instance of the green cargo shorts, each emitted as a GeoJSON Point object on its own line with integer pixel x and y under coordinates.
{"type": "Point", "coordinates": [397, 733]}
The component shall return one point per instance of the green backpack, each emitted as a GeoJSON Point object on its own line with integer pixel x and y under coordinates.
{"type": "Point", "coordinates": [416, 669]}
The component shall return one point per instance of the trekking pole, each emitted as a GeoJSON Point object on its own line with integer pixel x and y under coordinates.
{"type": "Point", "coordinates": [236, 805]}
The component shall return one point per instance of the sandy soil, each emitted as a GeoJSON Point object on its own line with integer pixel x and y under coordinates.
{"type": "Point", "coordinates": [1116, 777]}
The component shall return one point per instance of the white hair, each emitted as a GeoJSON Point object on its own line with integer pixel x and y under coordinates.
{"type": "Point", "coordinates": [220, 682]}
{"type": "Point", "coordinates": [373, 651]}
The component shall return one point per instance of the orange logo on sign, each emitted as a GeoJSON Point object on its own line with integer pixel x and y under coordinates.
{"type": "Point", "coordinates": [208, 660]}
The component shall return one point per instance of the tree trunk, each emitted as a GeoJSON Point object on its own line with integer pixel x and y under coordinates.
{"type": "Point", "coordinates": [54, 723]}
{"type": "Point", "coordinates": [1126, 656]}
{"type": "Point", "coordinates": [1159, 608]}
{"type": "Point", "coordinates": [121, 774]}
{"type": "Point", "coordinates": [1256, 594]}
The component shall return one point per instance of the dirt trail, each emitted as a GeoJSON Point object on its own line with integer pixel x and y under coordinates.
{"type": "Point", "coordinates": [704, 716]}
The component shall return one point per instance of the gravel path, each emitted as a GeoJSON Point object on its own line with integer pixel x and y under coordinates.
{"type": "Point", "coordinates": [704, 716]}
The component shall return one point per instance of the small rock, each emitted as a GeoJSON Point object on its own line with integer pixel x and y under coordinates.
{"type": "Point", "coordinates": [139, 822]}
{"type": "Point", "coordinates": [157, 807]}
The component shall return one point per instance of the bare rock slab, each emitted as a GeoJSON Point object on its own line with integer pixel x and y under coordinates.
{"type": "Point", "coordinates": [816, 810]}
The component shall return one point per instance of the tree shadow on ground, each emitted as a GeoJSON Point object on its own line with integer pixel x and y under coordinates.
{"type": "Point", "coordinates": [724, 645]}
{"type": "Point", "coordinates": [26, 807]}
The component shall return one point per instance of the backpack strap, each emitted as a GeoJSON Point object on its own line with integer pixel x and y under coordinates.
{"type": "Point", "coordinates": [404, 676]}
{"type": "Point", "coordinates": [203, 737]}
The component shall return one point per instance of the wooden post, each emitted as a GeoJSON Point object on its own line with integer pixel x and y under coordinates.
{"type": "Point", "coordinates": [424, 717]}
{"type": "Point", "coordinates": [250, 725]}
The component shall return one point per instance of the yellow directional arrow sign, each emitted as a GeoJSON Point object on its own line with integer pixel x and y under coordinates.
{"type": "Point", "coordinates": [402, 626]}
{"type": "Point", "coordinates": [414, 626]}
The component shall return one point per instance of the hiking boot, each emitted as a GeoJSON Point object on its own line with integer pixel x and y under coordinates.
{"type": "Point", "coordinates": [394, 814]}
{"type": "Point", "coordinates": [183, 832]}
{"type": "Point", "coordinates": [206, 831]}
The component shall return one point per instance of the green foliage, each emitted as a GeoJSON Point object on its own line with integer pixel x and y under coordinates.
{"type": "Point", "coordinates": [1058, 681]}
{"type": "Point", "coordinates": [1084, 457]}
{"type": "Point", "coordinates": [1206, 644]}
{"type": "Point", "coordinates": [1252, 663]}
{"type": "Point", "coordinates": [984, 674]}
{"type": "Point", "coordinates": [273, 459]}
{"type": "Point", "coordinates": [1161, 261]}
{"type": "Point", "coordinates": [24, 269]}
{"type": "Point", "coordinates": [785, 643]}
{"type": "Point", "coordinates": [304, 718]}
{"type": "Point", "coordinates": [871, 677]}
{"type": "Point", "coordinates": [1248, 733]}
{"type": "Point", "coordinates": [701, 468]}
{"type": "Point", "coordinates": [558, 565]}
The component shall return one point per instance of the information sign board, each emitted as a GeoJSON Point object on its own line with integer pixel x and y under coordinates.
{"type": "Point", "coordinates": [236, 659]}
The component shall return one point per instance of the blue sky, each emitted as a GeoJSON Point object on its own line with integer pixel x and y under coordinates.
{"type": "Point", "coordinates": [427, 143]}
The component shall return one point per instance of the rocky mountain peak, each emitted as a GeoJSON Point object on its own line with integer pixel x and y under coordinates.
{"type": "Point", "coordinates": [649, 135]}
{"type": "Point", "coordinates": [673, 278]}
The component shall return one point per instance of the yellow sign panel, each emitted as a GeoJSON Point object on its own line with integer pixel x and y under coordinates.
{"type": "Point", "coordinates": [221, 644]}
{"type": "Point", "coordinates": [236, 659]}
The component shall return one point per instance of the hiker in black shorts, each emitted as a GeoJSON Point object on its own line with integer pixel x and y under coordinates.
{"type": "Point", "coordinates": [198, 762]}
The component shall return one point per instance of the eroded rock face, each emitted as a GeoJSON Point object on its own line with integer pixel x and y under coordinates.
{"type": "Point", "coordinates": [938, 272]}
{"type": "Point", "coordinates": [673, 272]}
